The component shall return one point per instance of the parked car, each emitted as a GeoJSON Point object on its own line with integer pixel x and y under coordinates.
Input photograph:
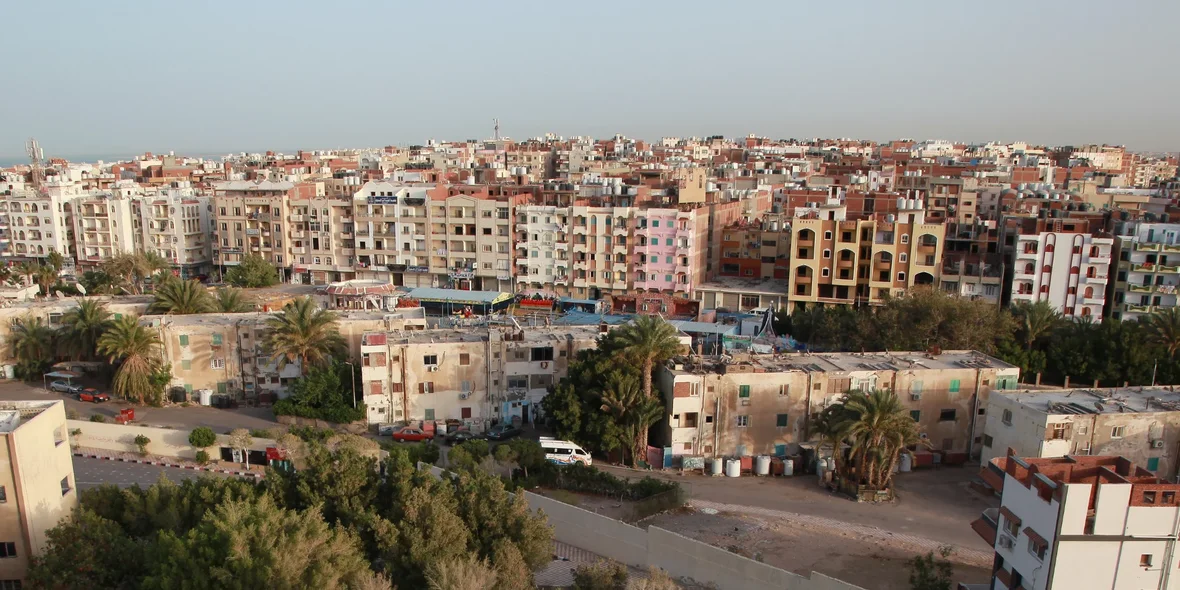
{"type": "Point", "coordinates": [407, 434]}
{"type": "Point", "coordinates": [502, 432]}
{"type": "Point", "coordinates": [460, 435]}
{"type": "Point", "coordinates": [64, 387]}
{"type": "Point", "coordinates": [93, 395]}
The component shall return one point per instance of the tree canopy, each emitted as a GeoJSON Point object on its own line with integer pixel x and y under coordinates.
{"type": "Point", "coordinates": [253, 272]}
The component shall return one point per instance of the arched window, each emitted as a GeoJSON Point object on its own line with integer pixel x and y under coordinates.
{"type": "Point", "coordinates": [1085, 311]}
{"type": "Point", "coordinates": [1089, 292]}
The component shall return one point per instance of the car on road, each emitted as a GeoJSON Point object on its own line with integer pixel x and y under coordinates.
{"type": "Point", "coordinates": [93, 395]}
{"type": "Point", "coordinates": [502, 432]}
{"type": "Point", "coordinates": [460, 435]}
{"type": "Point", "coordinates": [64, 387]}
{"type": "Point", "coordinates": [408, 434]}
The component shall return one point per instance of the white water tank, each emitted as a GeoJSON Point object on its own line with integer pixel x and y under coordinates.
{"type": "Point", "coordinates": [733, 468]}
{"type": "Point", "coordinates": [762, 465]}
{"type": "Point", "coordinates": [716, 466]}
{"type": "Point", "coordinates": [206, 397]}
{"type": "Point", "coordinates": [906, 463]}
{"type": "Point", "coordinates": [788, 467]}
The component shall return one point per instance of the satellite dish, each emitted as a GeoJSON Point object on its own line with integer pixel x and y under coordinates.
{"type": "Point", "coordinates": [80, 288]}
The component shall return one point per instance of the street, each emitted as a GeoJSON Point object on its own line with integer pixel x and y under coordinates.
{"type": "Point", "coordinates": [89, 473]}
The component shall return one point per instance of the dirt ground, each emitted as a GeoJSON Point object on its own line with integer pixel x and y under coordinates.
{"type": "Point", "coordinates": [803, 549]}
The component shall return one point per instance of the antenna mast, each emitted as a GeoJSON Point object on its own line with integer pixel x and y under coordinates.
{"type": "Point", "coordinates": [497, 128]}
{"type": "Point", "coordinates": [36, 155]}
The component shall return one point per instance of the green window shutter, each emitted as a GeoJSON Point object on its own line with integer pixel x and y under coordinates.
{"type": "Point", "coordinates": [668, 242]}
{"type": "Point", "coordinates": [954, 386]}
{"type": "Point", "coordinates": [221, 387]}
{"type": "Point", "coordinates": [780, 450]}
{"type": "Point", "coordinates": [781, 420]}
{"type": "Point", "coordinates": [1153, 463]}
{"type": "Point", "coordinates": [916, 415]}
{"type": "Point", "coordinates": [188, 387]}
{"type": "Point", "coordinates": [430, 413]}
{"type": "Point", "coordinates": [655, 223]}
{"type": "Point", "coordinates": [186, 365]}
{"type": "Point", "coordinates": [217, 342]}
{"type": "Point", "coordinates": [184, 339]}
{"type": "Point", "coordinates": [744, 391]}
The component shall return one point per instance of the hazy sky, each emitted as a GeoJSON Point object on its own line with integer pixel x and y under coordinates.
{"type": "Point", "coordinates": [91, 77]}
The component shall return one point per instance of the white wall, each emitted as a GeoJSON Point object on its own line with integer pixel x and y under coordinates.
{"type": "Point", "coordinates": [166, 442]}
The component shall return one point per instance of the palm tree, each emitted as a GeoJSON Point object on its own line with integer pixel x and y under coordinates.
{"type": "Point", "coordinates": [649, 340]}
{"type": "Point", "coordinates": [1036, 320]}
{"type": "Point", "coordinates": [136, 350]}
{"type": "Point", "coordinates": [46, 278]}
{"type": "Point", "coordinates": [878, 430]}
{"type": "Point", "coordinates": [133, 268]}
{"type": "Point", "coordinates": [231, 300]}
{"type": "Point", "coordinates": [28, 270]}
{"type": "Point", "coordinates": [55, 260]}
{"type": "Point", "coordinates": [304, 333]}
{"type": "Point", "coordinates": [633, 412]}
{"type": "Point", "coordinates": [32, 343]}
{"type": "Point", "coordinates": [82, 327]}
{"type": "Point", "coordinates": [181, 298]}
{"type": "Point", "coordinates": [1163, 329]}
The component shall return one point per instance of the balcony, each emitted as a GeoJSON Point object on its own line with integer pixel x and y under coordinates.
{"type": "Point", "coordinates": [1166, 268]}
{"type": "Point", "coordinates": [297, 217]}
{"type": "Point", "coordinates": [1148, 246]}
{"type": "Point", "coordinates": [1140, 288]}
{"type": "Point", "coordinates": [802, 280]}
{"type": "Point", "coordinates": [1145, 267]}
{"type": "Point", "coordinates": [1175, 248]}
{"type": "Point", "coordinates": [1026, 254]}
{"type": "Point", "coordinates": [1139, 308]}
{"type": "Point", "coordinates": [987, 525]}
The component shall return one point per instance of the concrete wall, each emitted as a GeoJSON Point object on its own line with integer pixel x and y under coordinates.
{"type": "Point", "coordinates": [680, 556]}
{"type": "Point", "coordinates": [166, 442]}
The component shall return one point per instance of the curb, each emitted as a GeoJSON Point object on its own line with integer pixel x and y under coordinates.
{"type": "Point", "coordinates": [167, 464]}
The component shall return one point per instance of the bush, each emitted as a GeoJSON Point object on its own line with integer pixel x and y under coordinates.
{"type": "Point", "coordinates": [98, 418]}
{"type": "Point", "coordinates": [589, 480]}
{"type": "Point", "coordinates": [337, 414]}
{"type": "Point", "coordinates": [424, 452]}
{"type": "Point", "coordinates": [72, 415]}
{"type": "Point", "coordinates": [312, 434]}
{"type": "Point", "coordinates": [142, 442]}
{"type": "Point", "coordinates": [202, 457]}
{"type": "Point", "coordinates": [603, 575]}
{"type": "Point", "coordinates": [261, 433]}
{"type": "Point", "coordinates": [202, 437]}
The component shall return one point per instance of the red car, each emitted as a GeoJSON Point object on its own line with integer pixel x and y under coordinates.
{"type": "Point", "coordinates": [93, 395]}
{"type": "Point", "coordinates": [407, 434]}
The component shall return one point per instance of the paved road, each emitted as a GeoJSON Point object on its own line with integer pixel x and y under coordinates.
{"type": "Point", "coordinates": [89, 473]}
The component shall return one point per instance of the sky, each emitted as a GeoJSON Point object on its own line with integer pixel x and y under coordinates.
{"type": "Point", "coordinates": [102, 78]}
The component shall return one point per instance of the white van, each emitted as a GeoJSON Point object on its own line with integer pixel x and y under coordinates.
{"type": "Point", "coordinates": [564, 452]}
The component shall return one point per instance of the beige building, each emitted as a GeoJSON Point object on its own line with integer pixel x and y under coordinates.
{"type": "Point", "coordinates": [38, 225]}
{"type": "Point", "coordinates": [478, 376]}
{"type": "Point", "coordinates": [177, 224]}
{"type": "Point", "coordinates": [37, 487]}
{"type": "Point", "coordinates": [250, 218]}
{"type": "Point", "coordinates": [765, 404]}
{"type": "Point", "coordinates": [321, 233]}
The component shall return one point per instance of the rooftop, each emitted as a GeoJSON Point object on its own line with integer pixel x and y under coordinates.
{"type": "Point", "coordinates": [849, 362]}
{"type": "Point", "coordinates": [528, 335]}
{"type": "Point", "coordinates": [14, 413]}
{"type": "Point", "coordinates": [1098, 401]}
{"type": "Point", "coordinates": [764, 286]}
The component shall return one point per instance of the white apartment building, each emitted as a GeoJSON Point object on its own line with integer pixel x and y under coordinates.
{"type": "Point", "coordinates": [543, 248]}
{"type": "Point", "coordinates": [1080, 522]}
{"type": "Point", "coordinates": [1069, 270]}
{"type": "Point", "coordinates": [1148, 272]}
{"type": "Point", "coordinates": [177, 224]}
{"type": "Point", "coordinates": [38, 225]}
{"type": "Point", "coordinates": [105, 226]}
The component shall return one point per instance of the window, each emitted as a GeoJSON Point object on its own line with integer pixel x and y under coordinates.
{"type": "Point", "coordinates": [1145, 560]}
{"type": "Point", "coordinates": [743, 421]}
{"type": "Point", "coordinates": [946, 415]}
{"type": "Point", "coordinates": [916, 415]}
{"type": "Point", "coordinates": [1153, 463]}
{"type": "Point", "coordinates": [429, 412]}
{"type": "Point", "coordinates": [216, 363]}
{"type": "Point", "coordinates": [1118, 431]}
{"type": "Point", "coordinates": [217, 340]}
{"type": "Point", "coordinates": [464, 359]}
{"type": "Point", "coordinates": [222, 387]}
{"type": "Point", "coordinates": [901, 276]}
{"type": "Point", "coordinates": [65, 485]}
{"type": "Point", "coordinates": [426, 387]}
{"type": "Point", "coordinates": [184, 339]}
{"type": "Point", "coordinates": [1012, 527]}
{"type": "Point", "coordinates": [954, 388]}
{"type": "Point", "coordinates": [430, 359]}
{"type": "Point", "coordinates": [3, 495]}
{"type": "Point", "coordinates": [7, 550]}
{"type": "Point", "coordinates": [916, 387]}
{"type": "Point", "coordinates": [1057, 431]}
{"type": "Point", "coordinates": [827, 253]}
{"type": "Point", "coordinates": [518, 381]}
{"type": "Point", "coordinates": [544, 353]}
{"type": "Point", "coordinates": [781, 420]}
{"type": "Point", "coordinates": [1007, 417]}
{"type": "Point", "coordinates": [10, 584]}
{"type": "Point", "coordinates": [1037, 547]}
{"type": "Point", "coordinates": [186, 365]}
{"type": "Point", "coordinates": [987, 440]}
{"type": "Point", "coordinates": [744, 391]}
{"type": "Point", "coordinates": [902, 257]}
{"type": "Point", "coordinates": [784, 390]}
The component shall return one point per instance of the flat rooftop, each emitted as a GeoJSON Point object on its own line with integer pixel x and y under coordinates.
{"type": "Point", "coordinates": [848, 362]}
{"type": "Point", "coordinates": [259, 317]}
{"type": "Point", "coordinates": [14, 413]}
{"type": "Point", "coordinates": [760, 286]}
{"type": "Point", "coordinates": [1097, 401]}
{"type": "Point", "coordinates": [528, 335]}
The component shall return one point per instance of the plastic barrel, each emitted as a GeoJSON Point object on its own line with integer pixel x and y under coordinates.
{"type": "Point", "coordinates": [788, 468]}
{"type": "Point", "coordinates": [716, 466]}
{"type": "Point", "coordinates": [762, 465]}
{"type": "Point", "coordinates": [733, 468]}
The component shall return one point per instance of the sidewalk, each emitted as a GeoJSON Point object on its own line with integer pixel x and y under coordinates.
{"type": "Point", "coordinates": [254, 471]}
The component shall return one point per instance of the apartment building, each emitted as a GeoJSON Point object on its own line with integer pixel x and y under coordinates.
{"type": "Point", "coordinates": [105, 227]}
{"type": "Point", "coordinates": [1139, 423]}
{"type": "Point", "coordinates": [1144, 280]}
{"type": "Point", "coordinates": [250, 218]}
{"type": "Point", "coordinates": [37, 487]}
{"type": "Point", "coordinates": [477, 376]}
{"type": "Point", "coordinates": [835, 260]}
{"type": "Point", "coordinates": [1069, 270]}
{"type": "Point", "coordinates": [764, 405]}
{"type": "Point", "coordinates": [542, 257]}
{"type": "Point", "coordinates": [972, 265]}
{"type": "Point", "coordinates": [757, 249]}
{"type": "Point", "coordinates": [38, 224]}
{"type": "Point", "coordinates": [321, 231]}
{"type": "Point", "coordinates": [1080, 522]}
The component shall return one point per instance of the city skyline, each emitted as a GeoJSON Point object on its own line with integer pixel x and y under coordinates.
{"type": "Point", "coordinates": [267, 75]}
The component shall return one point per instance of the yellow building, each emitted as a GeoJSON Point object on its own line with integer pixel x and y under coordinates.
{"type": "Point", "coordinates": [37, 487]}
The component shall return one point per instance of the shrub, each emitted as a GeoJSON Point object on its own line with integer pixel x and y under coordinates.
{"type": "Point", "coordinates": [72, 415]}
{"type": "Point", "coordinates": [424, 452]}
{"type": "Point", "coordinates": [312, 434]}
{"type": "Point", "coordinates": [142, 442]}
{"type": "Point", "coordinates": [98, 418]}
{"type": "Point", "coordinates": [76, 432]}
{"type": "Point", "coordinates": [202, 457]}
{"type": "Point", "coordinates": [603, 575]}
{"type": "Point", "coordinates": [202, 437]}
{"type": "Point", "coordinates": [337, 414]}
{"type": "Point", "coordinates": [261, 433]}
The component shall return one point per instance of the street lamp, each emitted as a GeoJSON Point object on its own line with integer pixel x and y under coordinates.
{"type": "Point", "coordinates": [352, 374]}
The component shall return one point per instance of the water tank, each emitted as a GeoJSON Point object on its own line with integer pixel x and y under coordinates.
{"type": "Point", "coordinates": [10, 371]}
{"type": "Point", "coordinates": [762, 465]}
{"type": "Point", "coordinates": [906, 463]}
{"type": "Point", "coordinates": [733, 467]}
{"type": "Point", "coordinates": [206, 397]}
{"type": "Point", "coordinates": [788, 467]}
{"type": "Point", "coordinates": [900, 203]}
{"type": "Point", "coordinates": [715, 466]}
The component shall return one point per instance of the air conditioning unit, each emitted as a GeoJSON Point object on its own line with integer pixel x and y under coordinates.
{"type": "Point", "coordinates": [915, 397]}
{"type": "Point", "coordinates": [1157, 444]}
{"type": "Point", "coordinates": [432, 368]}
{"type": "Point", "coordinates": [1007, 542]}
{"type": "Point", "coordinates": [464, 395]}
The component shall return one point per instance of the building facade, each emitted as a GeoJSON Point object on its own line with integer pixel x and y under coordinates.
{"type": "Point", "coordinates": [1147, 271]}
{"type": "Point", "coordinates": [1069, 270]}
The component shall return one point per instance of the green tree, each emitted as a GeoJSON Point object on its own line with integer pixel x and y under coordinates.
{"type": "Point", "coordinates": [632, 411]}
{"type": "Point", "coordinates": [28, 270]}
{"type": "Point", "coordinates": [81, 328]}
{"type": "Point", "coordinates": [98, 282]}
{"type": "Point", "coordinates": [256, 544]}
{"type": "Point", "coordinates": [253, 272]}
{"type": "Point", "coordinates": [240, 439]}
{"type": "Point", "coordinates": [324, 392]}
{"type": "Point", "coordinates": [136, 351]}
{"type": "Point", "coordinates": [202, 437]}
{"type": "Point", "coordinates": [928, 572]}
{"type": "Point", "coordinates": [46, 277]}
{"type": "Point", "coordinates": [87, 551]}
{"type": "Point", "coordinates": [649, 340]}
{"type": "Point", "coordinates": [1036, 320]}
{"type": "Point", "coordinates": [181, 298]}
{"type": "Point", "coordinates": [522, 452]}
{"type": "Point", "coordinates": [878, 428]}
{"type": "Point", "coordinates": [1163, 329]}
{"type": "Point", "coordinates": [231, 300]}
{"type": "Point", "coordinates": [601, 575]}
{"type": "Point", "coordinates": [32, 344]}
{"type": "Point", "coordinates": [463, 573]}
{"type": "Point", "coordinates": [55, 260]}
{"type": "Point", "coordinates": [130, 270]}
{"type": "Point", "coordinates": [304, 333]}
